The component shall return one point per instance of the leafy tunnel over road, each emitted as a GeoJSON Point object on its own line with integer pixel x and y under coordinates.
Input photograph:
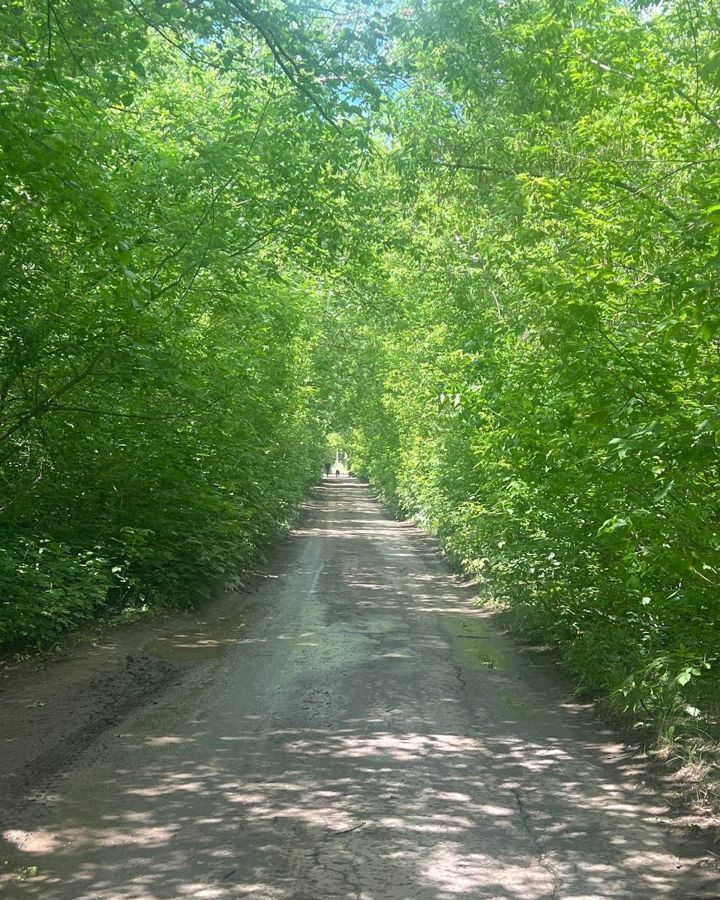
{"type": "Point", "coordinates": [477, 239]}
{"type": "Point", "coordinates": [357, 729]}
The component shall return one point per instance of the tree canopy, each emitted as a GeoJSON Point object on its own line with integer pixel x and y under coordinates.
{"type": "Point", "coordinates": [477, 238]}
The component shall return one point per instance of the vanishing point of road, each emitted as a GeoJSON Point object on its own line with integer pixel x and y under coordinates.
{"type": "Point", "coordinates": [357, 729]}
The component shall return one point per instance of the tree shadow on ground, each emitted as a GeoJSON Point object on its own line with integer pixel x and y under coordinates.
{"type": "Point", "coordinates": [382, 743]}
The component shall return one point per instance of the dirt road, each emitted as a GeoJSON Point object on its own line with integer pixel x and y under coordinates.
{"type": "Point", "coordinates": [355, 729]}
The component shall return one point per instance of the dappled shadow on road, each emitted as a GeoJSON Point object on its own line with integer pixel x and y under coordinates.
{"type": "Point", "coordinates": [408, 751]}
{"type": "Point", "coordinates": [350, 812]}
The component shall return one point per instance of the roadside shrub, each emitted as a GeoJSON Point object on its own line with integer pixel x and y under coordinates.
{"type": "Point", "coordinates": [46, 588]}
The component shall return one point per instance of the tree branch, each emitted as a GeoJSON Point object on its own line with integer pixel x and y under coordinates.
{"type": "Point", "coordinates": [56, 407]}
{"type": "Point", "coordinates": [286, 63]}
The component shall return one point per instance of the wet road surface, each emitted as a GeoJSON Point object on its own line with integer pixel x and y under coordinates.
{"type": "Point", "coordinates": [358, 730]}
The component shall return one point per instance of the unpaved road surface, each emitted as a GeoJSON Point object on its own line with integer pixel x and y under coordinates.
{"type": "Point", "coordinates": [357, 729]}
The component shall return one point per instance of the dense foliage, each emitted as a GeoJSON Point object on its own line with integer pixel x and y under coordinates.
{"type": "Point", "coordinates": [548, 392]}
{"type": "Point", "coordinates": [169, 198]}
{"type": "Point", "coordinates": [485, 233]}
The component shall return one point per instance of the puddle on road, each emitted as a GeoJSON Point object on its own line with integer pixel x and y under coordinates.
{"type": "Point", "coordinates": [474, 644]}
{"type": "Point", "coordinates": [522, 709]}
{"type": "Point", "coordinates": [18, 856]}
{"type": "Point", "coordinates": [195, 644]}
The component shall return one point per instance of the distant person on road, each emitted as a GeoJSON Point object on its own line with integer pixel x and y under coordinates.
{"type": "Point", "coordinates": [328, 466]}
{"type": "Point", "coordinates": [337, 473]}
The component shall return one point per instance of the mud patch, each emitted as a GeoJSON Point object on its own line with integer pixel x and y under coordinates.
{"type": "Point", "coordinates": [73, 707]}
{"type": "Point", "coordinates": [196, 644]}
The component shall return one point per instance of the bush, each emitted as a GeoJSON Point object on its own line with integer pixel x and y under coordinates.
{"type": "Point", "coordinates": [46, 588]}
